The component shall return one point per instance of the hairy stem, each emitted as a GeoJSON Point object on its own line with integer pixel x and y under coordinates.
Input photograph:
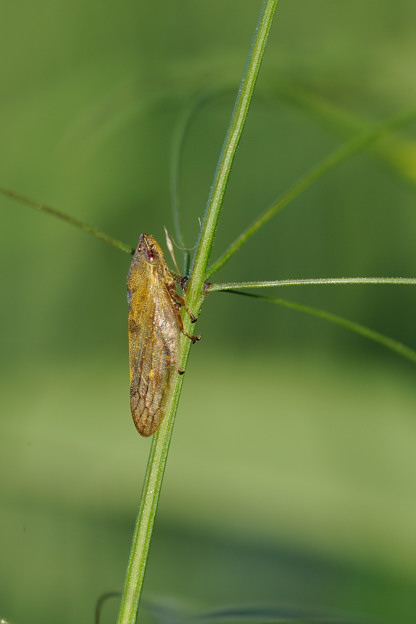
{"type": "Point", "coordinates": [319, 281]}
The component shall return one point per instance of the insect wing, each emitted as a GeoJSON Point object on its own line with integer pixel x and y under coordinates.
{"type": "Point", "coordinates": [153, 348]}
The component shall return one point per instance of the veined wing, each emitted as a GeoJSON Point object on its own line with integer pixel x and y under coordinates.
{"type": "Point", "coordinates": [153, 352]}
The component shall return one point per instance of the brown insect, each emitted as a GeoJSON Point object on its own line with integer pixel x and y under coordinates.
{"type": "Point", "coordinates": [155, 325]}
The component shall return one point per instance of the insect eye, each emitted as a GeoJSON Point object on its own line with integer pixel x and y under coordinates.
{"type": "Point", "coordinates": [150, 255]}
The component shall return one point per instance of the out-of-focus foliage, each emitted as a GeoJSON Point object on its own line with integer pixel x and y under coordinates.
{"type": "Point", "coordinates": [315, 506]}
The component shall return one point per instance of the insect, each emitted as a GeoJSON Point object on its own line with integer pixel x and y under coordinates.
{"type": "Point", "coordinates": [155, 325]}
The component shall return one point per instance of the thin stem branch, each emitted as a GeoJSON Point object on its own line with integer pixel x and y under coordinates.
{"type": "Point", "coordinates": [179, 135]}
{"type": "Point", "coordinates": [370, 334]}
{"type": "Point", "coordinates": [81, 225]}
{"type": "Point", "coordinates": [408, 281]}
{"type": "Point", "coordinates": [356, 145]}
{"type": "Point", "coordinates": [175, 159]}
{"type": "Point", "coordinates": [229, 149]}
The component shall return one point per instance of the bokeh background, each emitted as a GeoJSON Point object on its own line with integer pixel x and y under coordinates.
{"type": "Point", "coordinates": [292, 474]}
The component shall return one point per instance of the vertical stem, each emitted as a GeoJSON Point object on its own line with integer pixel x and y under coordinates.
{"type": "Point", "coordinates": [152, 486]}
{"type": "Point", "coordinates": [161, 441]}
{"type": "Point", "coordinates": [148, 506]}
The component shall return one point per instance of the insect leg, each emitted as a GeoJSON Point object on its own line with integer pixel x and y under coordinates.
{"type": "Point", "coordinates": [181, 302]}
{"type": "Point", "coordinates": [194, 339]}
{"type": "Point", "coordinates": [191, 337]}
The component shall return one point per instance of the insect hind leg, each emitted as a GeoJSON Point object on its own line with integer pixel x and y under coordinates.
{"type": "Point", "coordinates": [194, 339]}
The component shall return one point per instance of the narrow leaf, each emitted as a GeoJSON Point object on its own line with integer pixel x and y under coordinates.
{"type": "Point", "coordinates": [389, 343]}
{"type": "Point", "coordinates": [81, 225]}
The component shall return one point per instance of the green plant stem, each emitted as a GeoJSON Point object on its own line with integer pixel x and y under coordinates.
{"type": "Point", "coordinates": [180, 133]}
{"type": "Point", "coordinates": [161, 441]}
{"type": "Point", "coordinates": [232, 139]}
{"type": "Point", "coordinates": [356, 145]}
{"type": "Point", "coordinates": [155, 470]}
{"type": "Point", "coordinates": [389, 343]}
{"type": "Point", "coordinates": [403, 281]}
{"type": "Point", "coordinates": [81, 225]}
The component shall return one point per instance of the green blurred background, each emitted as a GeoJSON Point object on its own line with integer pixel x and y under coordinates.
{"type": "Point", "coordinates": [291, 478]}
